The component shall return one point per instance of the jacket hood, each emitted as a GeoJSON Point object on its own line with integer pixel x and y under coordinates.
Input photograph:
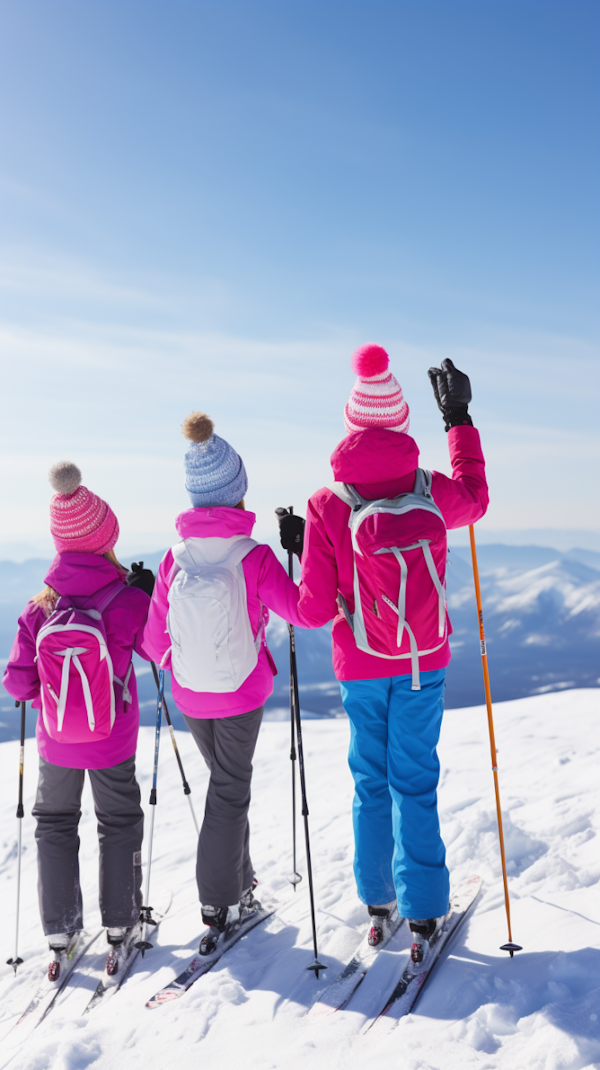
{"type": "Point", "coordinates": [374, 455]}
{"type": "Point", "coordinates": [220, 522]}
{"type": "Point", "coordinates": [81, 573]}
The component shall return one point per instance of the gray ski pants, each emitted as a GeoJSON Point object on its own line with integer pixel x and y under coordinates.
{"type": "Point", "coordinates": [57, 810]}
{"type": "Point", "coordinates": [224, 869]}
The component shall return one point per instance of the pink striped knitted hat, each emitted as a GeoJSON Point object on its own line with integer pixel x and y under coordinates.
{"type": "Point", "coordinates": [376, 399]}
{"type": "Point", "coordinates": [79, 520]}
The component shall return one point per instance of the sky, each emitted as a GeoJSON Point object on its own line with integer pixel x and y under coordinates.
{"type": "Point", "coordinates": [209, 205]}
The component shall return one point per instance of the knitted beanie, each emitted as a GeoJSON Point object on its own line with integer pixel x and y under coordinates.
{"type": "Point", "coordinates": [79, 520]}
{"type": "Point", "coordinates": [376, 399]}
{"type": "Point", "coordinates": [214, 472]}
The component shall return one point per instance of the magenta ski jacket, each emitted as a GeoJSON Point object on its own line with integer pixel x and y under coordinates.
{"type": "Point", "coordinates": [267, 587]}
{"type": "Point", "coordinates": [380, 464]}
{"type": "Point", "coordinates": [84, 576]}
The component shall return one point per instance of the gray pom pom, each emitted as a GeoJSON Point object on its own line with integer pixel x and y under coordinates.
{"type": "Point", "coordinates": [65, 477]}
{"type": "Point", "coordinates": [198, 427]}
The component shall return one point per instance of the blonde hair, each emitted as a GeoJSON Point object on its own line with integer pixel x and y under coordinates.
{"type": "Point", "coordinates": [48, 598]}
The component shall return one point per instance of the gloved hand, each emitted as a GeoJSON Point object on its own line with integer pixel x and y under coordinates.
{"type": "Point", "coordinates": [141, 577]}
{"type": "Point", "coordinates": [291, 530]}
{"type": "Point", "coordinates": [452, 391]}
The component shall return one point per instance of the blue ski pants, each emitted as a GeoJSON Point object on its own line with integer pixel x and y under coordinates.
{"type": "Point", "coordinates": [394, 733]}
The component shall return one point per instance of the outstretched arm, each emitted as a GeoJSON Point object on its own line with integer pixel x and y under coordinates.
{"type": "Point", "coordinates": [464, 498]}
{"type": "Point", "coordinates": [21, 678]}
{"type": "Point", "coordinates": [319, 584]}
{"type": "Point", "coordinates": [156, 639]}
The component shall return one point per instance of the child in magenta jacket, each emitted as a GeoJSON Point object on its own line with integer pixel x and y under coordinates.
{"type": "Point", "coordinates": [224, 724]}
{"type": "Point", "coordinates": [85, 530]}
{"type": "Point", "coordinates": [399, 856]}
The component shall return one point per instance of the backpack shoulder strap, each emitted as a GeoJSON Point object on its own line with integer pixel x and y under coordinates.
{"type": "Point", "coordinates": [112, 592]}
{"type": "Point", "coordinates": [423, 481]}
{"type": "Point", "coordinates": [348, 494]}
{"type": "Point", "coordinates": [240, 550]}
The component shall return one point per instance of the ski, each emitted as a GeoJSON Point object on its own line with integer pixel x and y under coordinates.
{"type": "Point", "coordinates": [109, 985]}
{"type": "Point", "coordinates": [48, 992]}
{"type": "Point", "coordinates": [201, 964]}
{"type": "Point", "coordinates": [414, 976]}
{"type": "Point", "coordinates": [337, 994]}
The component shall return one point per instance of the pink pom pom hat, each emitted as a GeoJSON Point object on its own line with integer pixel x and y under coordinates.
{"type": "Point", "coordinates": [376, 399]}
{"type": "Point", "coordinates": [80, 521]}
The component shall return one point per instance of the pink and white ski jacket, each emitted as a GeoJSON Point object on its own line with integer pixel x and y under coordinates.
{"type": "Point", "coordinates": [380, 464]}
{"type": "Point", "coordinates": [84, 576]}
{"type": "Point", "coordinates": [267, 587]}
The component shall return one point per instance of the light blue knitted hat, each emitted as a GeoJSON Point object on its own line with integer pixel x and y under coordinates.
{"type": "Point", "coordinates": [214, 472]}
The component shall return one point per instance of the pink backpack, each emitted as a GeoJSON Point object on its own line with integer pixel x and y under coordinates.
{"type": "Point", "coordinates": [76, 673]}
{"type": "Point", "coordinates": [399, 548]}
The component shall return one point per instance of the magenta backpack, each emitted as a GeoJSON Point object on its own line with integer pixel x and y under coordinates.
{"type": "Point", "coordinates": [399, 549]}
{"type": "Point", "coordinates": [76, 673]}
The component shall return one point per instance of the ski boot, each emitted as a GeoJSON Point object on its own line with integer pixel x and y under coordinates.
{"type": "Point", "coordinates": [61, 946]}
{"type": "Point", "coordinates": [248, 904]}
{"type": "Point", "coordinates": [120, 938]}
{"type": "Point", "coordinates": [422, 930]}
{"type": "Point", "coordinates": [381, 915]}
{"type": "Point", "coordinates": [216, 918]}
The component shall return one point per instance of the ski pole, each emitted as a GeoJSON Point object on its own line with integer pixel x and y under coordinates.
{"type": "Point", "coordinates": [15, 962]}
{"type": "Point", "coordinates": [295, 877]}
{"type": "Point", "coordinates": [186, 788]}
{"type": "Point", "coordinates": [510, 946]}
{"type": "Point", "coordinates": [295, 703]}
{"type": "Point", "coordinates": [146, 918]}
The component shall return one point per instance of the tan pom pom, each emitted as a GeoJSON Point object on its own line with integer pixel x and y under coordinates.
{"type": "Point", "coordinates": [198, 427]}
{"type": "Point", "coordinates": [65, 477]}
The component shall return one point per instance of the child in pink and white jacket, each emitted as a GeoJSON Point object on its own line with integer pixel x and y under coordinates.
{"type": "Point", "coordinates": [225, 724]}
{"type": "Point", "coordinates": [83, 574]}
{"type": "Point", "coordinates": [394, 719]}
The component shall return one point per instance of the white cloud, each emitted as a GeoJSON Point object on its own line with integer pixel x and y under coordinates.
{"type": "Point", "coordinates": [112, 394]}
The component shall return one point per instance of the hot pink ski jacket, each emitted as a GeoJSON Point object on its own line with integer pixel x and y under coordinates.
{"type": "Point", "coordinates": [380, 464]}
{"type": "Point", "coordinates": [84, 576]}
{"type": "Point", "coordinates": [267, 587]}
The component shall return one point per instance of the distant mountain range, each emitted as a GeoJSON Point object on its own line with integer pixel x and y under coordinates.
{"type": "Point", "coordinates": [542, 622]}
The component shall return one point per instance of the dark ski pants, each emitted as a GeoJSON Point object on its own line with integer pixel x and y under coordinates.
{"type": "Point", "coordinates": [57, 811]}
{"type": "Point", "coordinates": [224, 869]}
{"type": "Point", "coordinates": [394, 733]}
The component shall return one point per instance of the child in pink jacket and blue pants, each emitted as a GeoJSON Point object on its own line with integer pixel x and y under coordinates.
{"type": "Point", "coordinates": [399, 853]}
{"type": "Point", "coordinates": [225, 725]}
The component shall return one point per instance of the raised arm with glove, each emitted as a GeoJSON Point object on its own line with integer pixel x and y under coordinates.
{"type": "Point", "coordinates": [452, 391]}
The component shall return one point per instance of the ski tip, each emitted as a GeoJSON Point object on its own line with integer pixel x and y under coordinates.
{"type": "Point", "coordinates": [162, 997]}
{"type": "Point", "coordinates": [511, 948]}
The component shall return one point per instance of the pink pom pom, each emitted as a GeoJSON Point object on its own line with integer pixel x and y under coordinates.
{"type": "Point", "coordinates": [368, 360]}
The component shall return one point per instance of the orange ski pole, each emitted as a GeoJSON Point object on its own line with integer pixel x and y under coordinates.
{"type": "Point", "coordinates": [510, 946]}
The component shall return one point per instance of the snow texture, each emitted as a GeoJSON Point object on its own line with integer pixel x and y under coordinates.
{"type": "Point", "coordinates": [481, 1010]}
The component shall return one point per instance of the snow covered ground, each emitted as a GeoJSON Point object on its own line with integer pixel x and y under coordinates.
{"type": "Point", "coordinates": [481, 1010]}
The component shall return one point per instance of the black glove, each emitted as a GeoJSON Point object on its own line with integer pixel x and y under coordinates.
{"type": "Point", "coordinates": [141, 577]}
{"type": "Point", "coordinates": [452, 391]}
{"type": "Point", "coordinates": [291, 530]}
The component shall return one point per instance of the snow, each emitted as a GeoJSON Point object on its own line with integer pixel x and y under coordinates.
{"type": "Point", "coordinates": [481, 1009]}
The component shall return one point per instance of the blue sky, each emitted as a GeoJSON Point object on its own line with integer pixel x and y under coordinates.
{"type": "Point", "coordinates": [209, 205]}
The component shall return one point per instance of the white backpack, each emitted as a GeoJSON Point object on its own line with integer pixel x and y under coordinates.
{"type": "Point", "coordinates": [212, 645]}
